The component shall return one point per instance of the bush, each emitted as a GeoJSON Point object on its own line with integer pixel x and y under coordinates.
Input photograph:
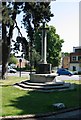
{"type": "Point", "coordinates": [22, 69]}
{"type": "Point", "coordinates": [13, 60]}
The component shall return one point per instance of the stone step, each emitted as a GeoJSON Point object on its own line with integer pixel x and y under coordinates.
{"type": "Point", "coordinates": [65, 85]}
{"type": "Point", "coordinates": [43, 84]}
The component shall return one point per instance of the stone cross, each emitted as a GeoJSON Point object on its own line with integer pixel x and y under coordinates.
{"type": "Point", "coordinates": [44, 44]}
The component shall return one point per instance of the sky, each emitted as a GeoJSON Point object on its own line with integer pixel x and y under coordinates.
{"type": "Point", "coordinates": [66, 22]}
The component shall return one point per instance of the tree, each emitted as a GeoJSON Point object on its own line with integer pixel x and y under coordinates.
{"type": "Point", "coordinates": [13, 59]}
{"type": "Point", "coordinates": [65, 54]}
{"type": "Point", "coordinates": [54, 47]}
{"type": "Point", "coordinates": [8, 20]}
{"type": "Point", "coordinates": [54, 44]}
{"type": "Point", "coordinates": [35, 57]}
{"type": "Point", "coordinates": [38, 12]}
{"type": "Point", "coordinates": [33, 14]}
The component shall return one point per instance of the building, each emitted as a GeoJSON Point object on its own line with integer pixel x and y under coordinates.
{"type": "Point", "coordinates": [24, 62]}
{"type": "Point", "coordinates": [66, 62]}
{"type": "Point", "coordinates": [19, 57]}
{"type": "Point", "coordinates": [75, 59]}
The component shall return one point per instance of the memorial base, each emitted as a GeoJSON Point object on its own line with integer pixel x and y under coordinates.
{"type": "Point", "coordinates": [43, 69]}
{"type": "Point", "coordinates": [42, 78]}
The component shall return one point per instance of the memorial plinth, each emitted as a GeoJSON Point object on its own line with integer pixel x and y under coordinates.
{"type": "Point", "coordinates": [42, 78]}
{"type": "Point", "coordinates": [43, 68]}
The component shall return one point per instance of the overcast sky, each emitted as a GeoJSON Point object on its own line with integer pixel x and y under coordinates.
{"type": "Point", "coordinates": [66, 22]}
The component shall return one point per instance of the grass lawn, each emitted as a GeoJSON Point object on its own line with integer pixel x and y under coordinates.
{"type": "Point", "coordinates": [20, 102]}
{"type": "Point", "coordinates": [10, 80]}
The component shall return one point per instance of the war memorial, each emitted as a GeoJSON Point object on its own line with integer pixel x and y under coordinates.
{"type": "Point", "coordinates": [44, 80]}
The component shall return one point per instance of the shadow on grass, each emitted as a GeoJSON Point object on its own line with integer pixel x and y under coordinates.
{"type": "Point", "coordinates": [38, 102]}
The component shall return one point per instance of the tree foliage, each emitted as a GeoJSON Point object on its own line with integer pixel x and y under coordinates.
{"type": "Point", "coordinates": [8, 19]}
{"type": "Point", "coordinates": [65, 54]}
{"type": "Point", "coordinates": [34, 14]}
{"type": "Point", "coordinates": [35, 58]}
{"type": "Point", "coordinates": [54, 44]}
{"type": "Point", "coordinates": [13, 59]}
{"type": "Point", "coordinates": [54, 47]}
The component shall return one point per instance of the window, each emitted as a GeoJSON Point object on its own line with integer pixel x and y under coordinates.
{"type": "Point", "coordinates": [79, 57]}
{"type": "Point", "coordinates": [78, 50]}
{"type": "Point", "coordinates": [73, 58]}
{"type": "Point", "coordinates": [74, 68]}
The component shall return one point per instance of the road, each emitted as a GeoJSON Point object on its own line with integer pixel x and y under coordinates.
{"type": "Point", "coordinates": [18, 74]}
{"type": "Point", "coordinates": [65, 77]}
{"type": "Point", "coordinates": [61, 77]}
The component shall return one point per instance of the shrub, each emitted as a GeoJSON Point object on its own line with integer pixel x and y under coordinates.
{"type": "Point", "coordinates": [13, 60]}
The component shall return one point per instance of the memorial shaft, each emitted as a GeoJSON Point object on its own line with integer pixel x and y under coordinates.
{"type": "Point", "coordinates": [44, 44]}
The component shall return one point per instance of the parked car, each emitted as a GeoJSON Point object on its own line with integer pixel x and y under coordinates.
{"type": "Point", "coordinates": [63, 71]}
{"type": "Point", "coordinates": [12, 65]}
{"type": "Point", "coordinates": [11, 70]}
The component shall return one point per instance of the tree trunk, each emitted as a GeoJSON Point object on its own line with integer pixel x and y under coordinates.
{"type": "Point", "coordinates": [5, 57]}
{"type": "Point", "coordinates": [4, 50]}
{"type": "Point", "coordinates": [7, 42]}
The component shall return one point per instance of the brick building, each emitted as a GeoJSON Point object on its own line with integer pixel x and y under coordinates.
{"type": "Point", "coordinates": [66, 62]}
{"type": "Point", "coordinates": [75, 59]}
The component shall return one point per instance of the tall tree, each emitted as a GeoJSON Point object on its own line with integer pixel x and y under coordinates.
{"type": "Point", "coordinates": [8, 20]}
{"type": "Point", "coordinates": [54, 44]}
{"type": "Point", "coordinates": [34, 14]}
